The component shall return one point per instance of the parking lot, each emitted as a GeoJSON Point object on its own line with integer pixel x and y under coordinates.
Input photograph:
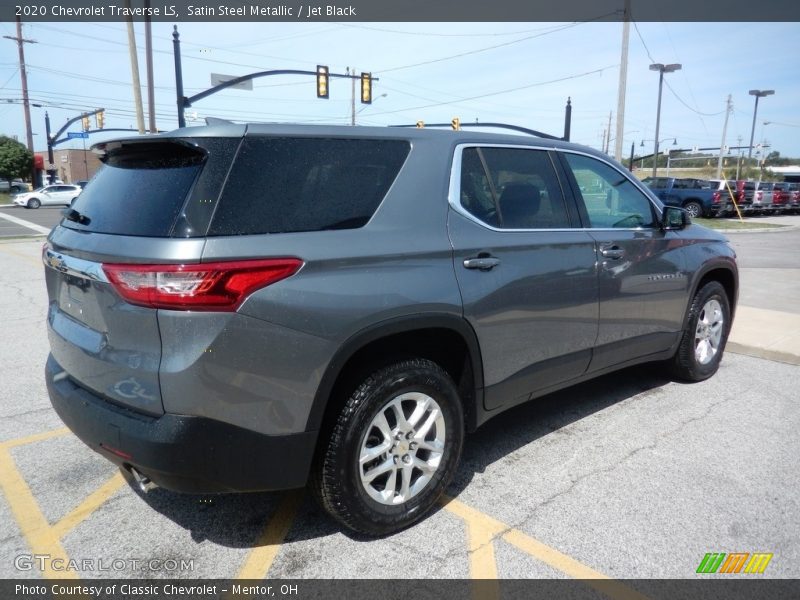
{"type": "Point", "coordinates": [628, 476]}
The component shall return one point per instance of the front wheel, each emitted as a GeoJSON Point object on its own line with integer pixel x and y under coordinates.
{"type": "Point", "coordinates": [34, 203]}
{"type": "Point", "coordinates": [694, 209]}
{"type": "Point", "coordinates": [707, 326]}
{"type": "Point", "coordinates": [393, 449]}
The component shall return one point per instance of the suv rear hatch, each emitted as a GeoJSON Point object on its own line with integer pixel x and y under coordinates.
{"type": "Point", "coordinates": [102, 342]}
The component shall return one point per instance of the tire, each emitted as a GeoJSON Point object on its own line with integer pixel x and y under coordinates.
{"type": "Point", "coordinates": [694, 209]}
{"type": "Point", "coordinates": [71, 202]}
{"type": "Point", "coordinates": [368, 426]}
{"type": "Point", "coordinates": [705, 334]}
{"type": "Point", "coordinates": [33, 203]}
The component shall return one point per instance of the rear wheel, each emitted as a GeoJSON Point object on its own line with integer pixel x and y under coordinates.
{"type": "Point", "coordinates": [393, 449]}
{"type": "Point", "coordinates": [705, 334]}
{"type": "Point", "coordinates": [694, 209]}
{"type": "Point", "coordinates": [34, 203]}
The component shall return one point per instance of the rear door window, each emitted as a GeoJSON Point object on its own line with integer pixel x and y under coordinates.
{"type": "Point", "coordinates": [512, 188]}
{"type": "Point", "coordinates": [281, 184]}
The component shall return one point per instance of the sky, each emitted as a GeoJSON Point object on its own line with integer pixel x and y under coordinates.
{"type": "Point", "coordinates": [518, 73]}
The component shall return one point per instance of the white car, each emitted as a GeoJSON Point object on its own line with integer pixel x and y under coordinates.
{"type": "Point", "coordinates": [48, 195]}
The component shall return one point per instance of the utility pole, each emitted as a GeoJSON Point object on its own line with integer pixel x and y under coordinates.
{"type": "Point", "coordinates": [26, 105]}
{"type": "Point", "coordinates": [623, 81]}
{"type": "Point", "coordinates": [137, 87]}
{"type": "Point", "coordinates": [739, 161]}
{"type": "Point", "coordinates": [148, 50]}
{"type": "Point", "coordinates": [352, 97]}
{"type": "Point", "coordinates": [603, 142]}
{"type": "Point", "coordinates": [608, 132]}
{"type": "Point", "coordinates": [728, 110]}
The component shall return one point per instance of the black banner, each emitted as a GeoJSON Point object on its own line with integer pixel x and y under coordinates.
{"type": "Point", "coordinates": [718, 588]}
{"type": "Point", "coordinates": [176, 11]}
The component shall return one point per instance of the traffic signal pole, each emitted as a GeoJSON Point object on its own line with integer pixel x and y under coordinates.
{"type": "Point", "coordinates": [184, 102]}
{"type": "Point", "coordinates": [52, 140]}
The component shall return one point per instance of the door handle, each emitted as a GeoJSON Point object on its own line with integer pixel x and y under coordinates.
{"type": "Point", "coordinates": [613, 252]}
{"type": "Point", "coordinates": [482, 262]}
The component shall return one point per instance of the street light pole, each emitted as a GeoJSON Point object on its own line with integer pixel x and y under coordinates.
{"type": "Point", "coordinates": [661, 70]}
{"type": "Point", "coordinates": [758, 94]}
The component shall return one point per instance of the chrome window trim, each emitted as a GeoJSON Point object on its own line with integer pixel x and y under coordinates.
{"type": "Point", "coordinates": [454, 190]}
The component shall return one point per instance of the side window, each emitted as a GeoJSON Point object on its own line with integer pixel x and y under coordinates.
{"type": "Point", "coordinates": [512, 188]}
{"type": "Point", "coordinates": [613, 200]}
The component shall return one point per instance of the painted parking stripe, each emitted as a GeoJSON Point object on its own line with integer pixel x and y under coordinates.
{"type": "Point", "coordinates": [36, 437]}
{"type": "Point", "coordinates": [92, 502]}
{"type": "Point", "coordinates": [34, 527]}
{"type": "Point", "coordinates": [544, 553]}
{"type": "Point", "coordinates": [24, 223]}
{"type": "Point", "coordinates": [266, 548]}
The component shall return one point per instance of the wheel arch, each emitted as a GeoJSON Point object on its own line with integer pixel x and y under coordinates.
{"type": "Point", "coordinates": [446, 339]}
{"type": "Point", "coordinates": [723, 272]}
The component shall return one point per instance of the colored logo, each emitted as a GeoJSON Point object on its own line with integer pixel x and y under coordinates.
{"type": "Point", "coordinates": [737, 562]}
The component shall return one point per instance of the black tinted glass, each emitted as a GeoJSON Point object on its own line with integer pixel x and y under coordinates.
{"type": "Point", "coordinates": [518, 189]}
{"type": "Point", "coordinates": [280, 185]}
{"type": "Point", "coordinates": [139, 190]}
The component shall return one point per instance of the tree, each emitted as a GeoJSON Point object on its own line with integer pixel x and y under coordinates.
{"type": "Point", "coordinates": [15, 159]}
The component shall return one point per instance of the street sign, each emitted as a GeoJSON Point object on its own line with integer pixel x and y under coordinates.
{"type": "Point", "coordinates": [217, 78]}
{"type": "Point", "coordinates": [76, 135]}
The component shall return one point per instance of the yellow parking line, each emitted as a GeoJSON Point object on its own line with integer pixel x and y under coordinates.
{"type": "Point", "coordinates": [486, 526]}
{"type": "Point", "coordinates": [37, 437]}
{"type": "Point", "coordinates": [269, 542]}
{"type": "Point", "coordinates": [481, 532]}
{"type": "Point", "coordinates": [32, 523]}
{"type": "Point", "coordinates": [92, 502]}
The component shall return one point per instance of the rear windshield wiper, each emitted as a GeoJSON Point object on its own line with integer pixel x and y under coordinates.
{"type": "Point", "coordinates": [71, 214]}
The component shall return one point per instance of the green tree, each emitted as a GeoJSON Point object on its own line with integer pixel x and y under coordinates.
{"type": "Point", "coordinates": [15, 159]}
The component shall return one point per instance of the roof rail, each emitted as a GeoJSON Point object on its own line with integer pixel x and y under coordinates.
{"type": "Point", "coordinates": [218, 121]}
{"type": "Point", "coordinates": [493, 125]}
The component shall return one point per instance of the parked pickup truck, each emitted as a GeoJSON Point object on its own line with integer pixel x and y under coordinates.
{"type": "Point", "coordinates": [696, 196]}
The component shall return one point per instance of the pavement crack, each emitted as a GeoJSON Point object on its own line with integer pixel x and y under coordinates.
{"type": "Point", "coordinates": [659, 437]}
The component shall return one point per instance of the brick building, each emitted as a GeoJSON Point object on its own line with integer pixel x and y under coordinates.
{"type": "Point", "coordinates": [73, 164]}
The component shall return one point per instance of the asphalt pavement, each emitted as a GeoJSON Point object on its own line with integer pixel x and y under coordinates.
{"type": "Point", "coordinates": [629, 476]}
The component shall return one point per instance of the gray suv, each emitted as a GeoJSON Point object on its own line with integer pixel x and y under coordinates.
{"type": "Point", "coordinates": [241, 308]}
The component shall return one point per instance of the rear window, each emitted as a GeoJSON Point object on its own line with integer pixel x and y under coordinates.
{"type": "Point", "coordinates": [281, 185]}
{"type": "Point", "coordinates": [139, 190]}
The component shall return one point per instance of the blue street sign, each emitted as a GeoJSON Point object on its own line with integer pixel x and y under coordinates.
{"type": "Point", "coordinates": [76, 135]}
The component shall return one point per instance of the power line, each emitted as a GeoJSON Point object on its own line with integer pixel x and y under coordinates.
{"type": "Point", "coordinates": [444, 35]}
{"type": "Point", "coordinates": [478, 50]}
{"type": "Point", "coordinates": [506, 91]}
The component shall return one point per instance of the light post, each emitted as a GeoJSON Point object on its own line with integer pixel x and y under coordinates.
{"type": "Point", "coordinates": [661, 70]}
{"type": "Point", "coordinates": [655, 156]}
{"type": "Point", "coordinates": [758, 94]}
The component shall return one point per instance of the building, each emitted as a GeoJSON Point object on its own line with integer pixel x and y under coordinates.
{"type": "Point", "coordinates": [71, 164]}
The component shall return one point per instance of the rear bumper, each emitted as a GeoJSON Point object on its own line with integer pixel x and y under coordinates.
{"type": "Point", "coordinates": [179, 452]}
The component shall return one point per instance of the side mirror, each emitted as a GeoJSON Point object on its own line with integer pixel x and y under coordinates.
{"type": "Point", "coordinates": [674, 219]}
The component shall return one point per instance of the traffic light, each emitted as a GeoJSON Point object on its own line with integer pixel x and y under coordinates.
{"type": "Point", "coordinates": [366, 88]}
{"type": "Point", "coordinates": [456, 124]}
{"type": "Point", "coordinates": [100, 119]}
{"type": "Point", "coordinates": [85, 122]}
{"type": "Point", "coordinates": [323, 78]}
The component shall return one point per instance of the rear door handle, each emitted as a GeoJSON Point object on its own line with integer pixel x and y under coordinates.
{"type": "Point", "coordinates": [613, 252]}
{"type": "Point", "coordinates": [482, 262]}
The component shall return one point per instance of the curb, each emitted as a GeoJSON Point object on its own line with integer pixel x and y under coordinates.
{"type": "Point", "coordinates": [773, 355]}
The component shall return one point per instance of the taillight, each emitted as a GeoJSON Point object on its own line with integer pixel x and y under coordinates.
{"type": "Point", "coordinates": [759, 195]}
{"type": "Point", "coordinates": [217, 286]}
{"type": "Point", "coordinates": [715, 197]}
